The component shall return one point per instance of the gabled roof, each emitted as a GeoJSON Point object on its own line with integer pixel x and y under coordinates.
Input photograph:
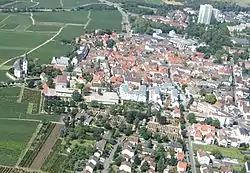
{"type": "Point", "coordinates": [61, 79]}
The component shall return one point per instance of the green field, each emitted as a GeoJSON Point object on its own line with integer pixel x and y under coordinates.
{"type": "Point", "coordinates": [226, 152]}
{"type": "Point", "coordinates": [3, 76]}
{"type": "Point", "coordinates": [18, 35]}
{"type": "Point", "coordinates": [25, 4]}
{"type": "Point", "coordinates": [70, 32]}
{"type": "Point", "coordinates": [43, 28]}
{"type": "Point", "coordinates": [14, 136]}
{"type": "Point", "coordinates": [16, 39]}
{"type": "Point", "coordinates": [7, 53]}
{"type": "Point", "coordinates": [9, 97]}
{"type": "Point", "coordinates": [105, 20]}
{"type": "Point", "coordinates": [9, 26]}
{"type": "Point", "coordinates": [49, 3]}
{"type": "Point", "coordinates": [76, 3]}
{"type": "Point", "coordinates": [50, 50]}
{"type": "Point", "coordinates": [62, 17]}
{"type": "Point", "coordinates": [2, 15]}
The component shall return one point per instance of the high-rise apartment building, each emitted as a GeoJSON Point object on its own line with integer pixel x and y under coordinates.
{"type": "Point", "coordinates": [205, 14]}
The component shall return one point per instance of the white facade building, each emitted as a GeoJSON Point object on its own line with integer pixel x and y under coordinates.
{"type": "Point", "coordinates": [21, 68]}
{"type": "Point", "coordinates": [205, 14]}
{"type": "Point", "coordinates": [139, 95]}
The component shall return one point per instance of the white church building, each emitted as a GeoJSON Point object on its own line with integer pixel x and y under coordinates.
{"type": "Point", "coordinates": [21, 68]}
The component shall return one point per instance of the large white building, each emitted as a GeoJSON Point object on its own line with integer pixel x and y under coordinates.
{"type": "Point", "coordinates": [139, 95]}
{"type": "Point", "coordinates": [21, 67]}
{"type": "Point", "coordinates": [205, 14]}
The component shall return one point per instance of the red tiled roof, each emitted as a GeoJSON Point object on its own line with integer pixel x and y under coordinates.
{"type": "Point", "coordinates": [182, 165]}
{"type": "Point", "coordinates": [61, 79]}
{"type": "Point", "coordinates": [180, 156]}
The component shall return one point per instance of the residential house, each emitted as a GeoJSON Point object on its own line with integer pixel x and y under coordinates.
{"type": "Point", "coordinates": [222, 138]}
{"type": "Point", "coordinates": [128, 150]}
{"type": "Point", "coordinates": [243, 135]}
{"type": "Point", "coordinates": [134, 140]}
{"type": "Point", "coordinates": [247, 166]}
{"type": "Point", "coordinates": [200, 131]}
{"type": "Point", "coordinates": [125, 166]}
{"type": "Point", "coordinates": [181, 167]}
{"type": "Point", "coordinates": [150, 162]}
{"type": "Point", "coordinates": [180, 156]}
{"type": "Point", "coordinates": [203, 157]}
{"type": "Point", "coordinates": [60, 63]}
{"type": "Point", "coordinates": [205, 169]}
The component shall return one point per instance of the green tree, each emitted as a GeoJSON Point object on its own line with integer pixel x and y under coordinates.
{"type": "Point", "coordinates": [118, 160]}
{"type": "Point", "coordinates": [137, 160]}
{"type": "Point", "coordinates": [183, 87]}
{"type": "Point", "coordinates": [210, 98]}
{"type": "Point", "coordinates": [76, 96]}
{"type": "Point", "coordinates": [192, 118]}
{"type": "Point", "coordinates": [144, 166]}
{"type": "Point", "coordinates": [217, 154]}
{"type": "Point", "coordinates": [150, 143]}
{"type": "Point", "coordinates": [160, 165]}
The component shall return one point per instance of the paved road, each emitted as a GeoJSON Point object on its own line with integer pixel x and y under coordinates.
{"type": "Point", "coordinates": [108, 161]}
{"type": "Point", "coordinates": [191, 152]}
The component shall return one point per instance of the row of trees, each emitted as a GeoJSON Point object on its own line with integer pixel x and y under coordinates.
{"type": "Point", "coordinates": [96, 7]}
{"type": "Point", "coordinates": [143, 26]}
{"type": "Point", "coordinates": [133, 8]}
{"type": "Point", "coordinates": [209, 121]}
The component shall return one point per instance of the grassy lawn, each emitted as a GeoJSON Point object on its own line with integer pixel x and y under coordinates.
{"type": "Point", "coordinates": [86, 143]}
{"type": "Point", "coordinates": [50, 50]}
{"type": "Point", "coordinates": [62, 17]}
{"type": "Point", "coordinates": [75, 3]}
{"type": "Point", "coordinates": [14, 136]}
{"type": "Point", "coordinates": [44, 28]}
{"type": "Point", "coordinates": [105, 20]}
{"type": "Point", "coordinates": [226, 152]}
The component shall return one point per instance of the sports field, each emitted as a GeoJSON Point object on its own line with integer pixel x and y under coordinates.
{"type": "Point", "coordinates": [14, 136]}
